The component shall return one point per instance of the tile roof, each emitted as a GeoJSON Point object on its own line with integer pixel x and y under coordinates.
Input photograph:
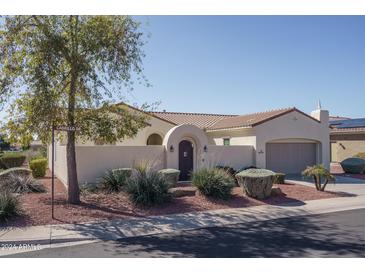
{"type": "Point", "coordinates": [201, 120]}
{"type": "Point", "coordinates": [249, 119]}
{"type": "Point", "coordinates": [220, 121]}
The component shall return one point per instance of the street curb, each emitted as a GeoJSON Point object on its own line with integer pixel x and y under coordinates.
{"type": "Point", "coordinates": [65, 240]}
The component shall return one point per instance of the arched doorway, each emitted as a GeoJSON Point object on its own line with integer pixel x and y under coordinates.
{"type": "Point", "coordinates": [186, 159]}
{"type": "Point", "coordinates": [154, 140]}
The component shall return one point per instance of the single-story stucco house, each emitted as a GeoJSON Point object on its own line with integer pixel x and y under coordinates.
{"type": "Point", "coordinates": [347, 137]}
{"type": "Point", "coordinates": [284, 140]}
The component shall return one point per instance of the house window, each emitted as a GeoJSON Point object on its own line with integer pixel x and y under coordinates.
{"type": "Point", "coordinates": [154, 140]}
{"type": "Point", "coordinates": [226, 141]}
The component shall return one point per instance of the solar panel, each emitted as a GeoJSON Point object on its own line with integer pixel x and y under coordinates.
{"type": "Point", "coordinates": [351, 123]}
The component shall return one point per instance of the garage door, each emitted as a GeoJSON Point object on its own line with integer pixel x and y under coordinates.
{"type": "Point", "coordinates": [290, 158]}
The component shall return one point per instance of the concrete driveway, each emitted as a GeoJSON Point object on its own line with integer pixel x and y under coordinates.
{"type": "Point", "coordinates": [343, 184]}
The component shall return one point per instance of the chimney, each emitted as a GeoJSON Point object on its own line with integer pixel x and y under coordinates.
{"type": "Point", "coordinates": [320, 114]}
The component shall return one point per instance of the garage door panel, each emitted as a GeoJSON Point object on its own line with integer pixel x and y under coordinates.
{"type": "Point", "coordinates": [290, 158]}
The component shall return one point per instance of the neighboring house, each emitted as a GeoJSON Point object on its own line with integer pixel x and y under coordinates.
{"type": "Point", "coordinates": [284, 140]}
{"type": "Point", "coordinates": [347, 137]}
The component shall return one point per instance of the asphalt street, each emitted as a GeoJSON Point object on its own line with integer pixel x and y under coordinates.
{"type": "Point", "coordinates": [340, 234]}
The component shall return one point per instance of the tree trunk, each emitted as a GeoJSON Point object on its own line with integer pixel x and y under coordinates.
{"type": "Point", "coordinates": [73, 184]}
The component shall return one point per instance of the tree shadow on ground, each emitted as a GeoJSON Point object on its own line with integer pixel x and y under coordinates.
{"type": "Point", "coordinates": [287, 237]}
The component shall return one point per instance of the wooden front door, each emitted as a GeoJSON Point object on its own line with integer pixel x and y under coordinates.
{"type": "Point", "coordinates": [186, 159]}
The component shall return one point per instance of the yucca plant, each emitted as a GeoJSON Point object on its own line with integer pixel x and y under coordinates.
{"type": "Point", "coordinates": [113, 181]}
{"type": "Point", "coordinates": [213, 182]}
{"type": "Point", "coordinates": [320, 175]}
{"type": "Point", "coordinates": [20, 184]}
{"type": "Point", "coordinates": [9, 206]}
{"type": "Point", "coordinates": [147, 187]}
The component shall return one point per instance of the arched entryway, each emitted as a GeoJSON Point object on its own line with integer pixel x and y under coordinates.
{"type": "Point", "coordinates": [186, 159]}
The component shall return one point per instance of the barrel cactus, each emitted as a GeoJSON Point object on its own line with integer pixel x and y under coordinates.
{"type": "Point", "coordinates": [256, 183]}
{"type": "Point", "coordinates": [170, 175]}
{"type": "Point", "coordinates": [353, 165]}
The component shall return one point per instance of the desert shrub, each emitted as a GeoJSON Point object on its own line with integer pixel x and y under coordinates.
{"type": "Point", "coordinates": [213, 182]}
{"type": "Point", "coordinates": [170, 175]}
{"type": "Point", "coordinates": [12, 159]}
{"type": "Point", "coordinates": [256, 183]}
{"type": "Point", "coordinates": [22, 184]}
{"type": "Point", "coordinates": [147, 187]}
{"type": "Point", "coordinates": [231, 171]}
{"type": "Point", "coordinates": [5, 174]}
{"type": "Point", "coordinates": [320, 175]}
{"type": "Point", "coordinates": [38, 167]}
{"type": "Point", "coordinates": [115, 180]}
{"type": "Point", "coordinates": [89, 188]}
{"type": "Point", "coordinates": [353, 165]}
{"type": "Point", "coordinates": [9, 206]}
{"type": "Point", "coordinates": [279, 178]}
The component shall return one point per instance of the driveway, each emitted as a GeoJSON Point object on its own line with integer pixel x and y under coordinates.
{"type": "Point", "coordinates": [339, 234]}
{"type": "Point", "coordinates": [343, 184]}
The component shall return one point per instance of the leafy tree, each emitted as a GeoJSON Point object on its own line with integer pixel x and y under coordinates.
{"type": "Point", "coordinates": [320, 175]}
{"type": "Point", "coordinates": [67, 70]}
{"type": "Point", "coordinates": [4, 145]}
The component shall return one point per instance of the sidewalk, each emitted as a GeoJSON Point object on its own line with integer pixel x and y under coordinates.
{"type": "Point", "coordinates": [70, 234]}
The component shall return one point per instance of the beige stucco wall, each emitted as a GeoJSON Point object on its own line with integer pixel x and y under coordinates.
{"type": "Point", "coordinates": [94, 161]}
{"type": "Point", "coordinates": [156, 126]}
{"type": "Point", "coordinates": [237, 136]}
{"type": "Point", "coordinates": [233, 156]}
{"type": "Point", "coordinates": [292, 126]}
{"type": "Point", "coordinates": [60, 162]}
{"type": "Point", "coordinates": [342, 150]}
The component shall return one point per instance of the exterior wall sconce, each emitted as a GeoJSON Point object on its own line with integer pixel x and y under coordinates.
{"type": "Point", "coordinates": [172, 148]}
{"type": "Point", "coordinates": [205, 148]}
{"type": "Point", "coordinates": [261, 152]}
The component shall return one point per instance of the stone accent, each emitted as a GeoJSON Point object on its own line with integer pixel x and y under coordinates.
{"type": "Point", "coordinates": [182, 191]}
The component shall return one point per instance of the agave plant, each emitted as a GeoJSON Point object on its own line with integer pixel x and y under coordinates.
{"type": "Point", "coordinates": [17, 183]}
{"type": "Point", "coordinates": [320, 175]}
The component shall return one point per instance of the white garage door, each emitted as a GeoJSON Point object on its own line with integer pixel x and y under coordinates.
{"type": "Point", "coordinates": [290, 158]}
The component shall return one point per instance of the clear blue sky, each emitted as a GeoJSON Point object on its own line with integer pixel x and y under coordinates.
{"type": "Point", "coordinates": [244, 64]}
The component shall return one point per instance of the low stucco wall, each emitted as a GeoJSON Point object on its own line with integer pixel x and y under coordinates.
{"type": "Point", "coordinates": [233, 156]}
{"type": "Point", "coordinates": [342, 150]}
{"type": "Point", "coordinates": [60, 163]}
{"type": "Point", "coordinates": [94, 161]}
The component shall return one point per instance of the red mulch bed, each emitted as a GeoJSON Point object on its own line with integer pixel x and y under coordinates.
{"type": "Point", "coordinates": [93, 207]}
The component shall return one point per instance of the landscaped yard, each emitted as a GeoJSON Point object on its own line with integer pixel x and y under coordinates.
{"type": "Point", "coordinates": [93, 207]}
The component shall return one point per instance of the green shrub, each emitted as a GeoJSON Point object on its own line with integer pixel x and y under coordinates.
{"type": "Point", "coordinates": [279, 178]}
{"type": "Point", "coordinates": [22, 184]}
{"type": "Point", "coordinates": [170, 175]}
{"type": "Point", "coordinates": [320, 175]}
{"type": "Point", "coordinates": [38, 167]}
{"type": "Point", "coordinates": [115, 180]}
{"type": "Point", "coordinates": [213, 182]}
{"type": "Point", "coordinates": [12, 159]}
{"type": "Point", "coordinates": [147, 187]}
{"type": "Point", "coordinates": [9, 206]}
{"type": "Point", "coordinates": [353, 165]}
